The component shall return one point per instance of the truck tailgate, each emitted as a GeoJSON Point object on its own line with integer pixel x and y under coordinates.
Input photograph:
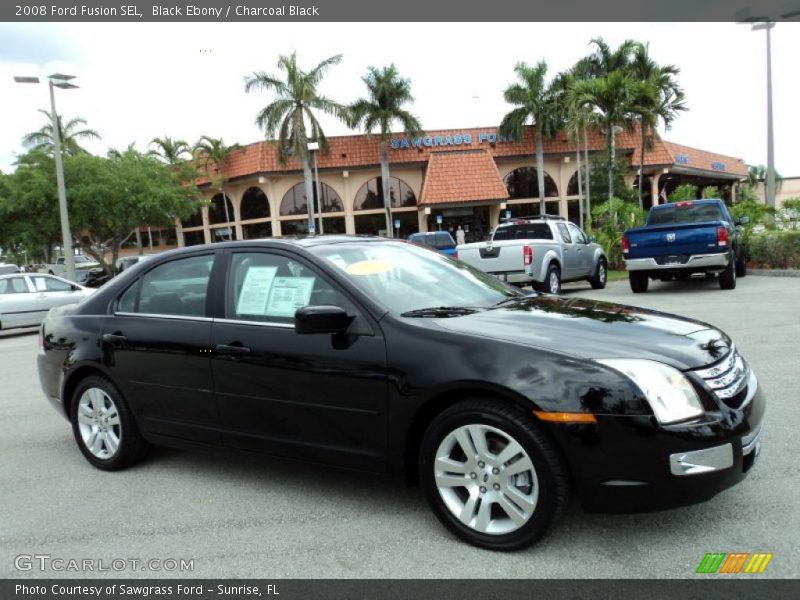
{"type": "Point", "coordinates": [674, 239]}
{"type": "Point", "coordinates": [499, 257]}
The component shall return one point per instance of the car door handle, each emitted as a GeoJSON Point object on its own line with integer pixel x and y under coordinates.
{"type": "Point", "coordinates": [114, 338]}
{"type": "Point", "coordinates": [233, 349]}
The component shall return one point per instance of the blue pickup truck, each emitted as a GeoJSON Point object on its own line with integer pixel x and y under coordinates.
{"type": "Point", "coordinates": [684, 238]}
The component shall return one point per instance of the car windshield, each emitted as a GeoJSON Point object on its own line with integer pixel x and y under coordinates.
{"type": "Point", "coordinates": [690, 213]}
{"type": "Point", "coordinates": [406, 278]}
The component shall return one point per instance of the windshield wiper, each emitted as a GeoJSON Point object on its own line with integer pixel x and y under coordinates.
{"type": "Point", "coordinates": [440, 311]}
{"type": "Point", "coordinates": [509, 300]}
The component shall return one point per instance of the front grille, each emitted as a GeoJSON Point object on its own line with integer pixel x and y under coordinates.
{"type": "Point", "coordinates": [727, 378]}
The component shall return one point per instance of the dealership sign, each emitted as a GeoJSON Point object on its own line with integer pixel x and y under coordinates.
{"type": "Point", "coordinates": [450, 139]}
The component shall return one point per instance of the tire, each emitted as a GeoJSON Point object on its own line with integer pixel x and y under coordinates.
{"type": "Point", "coordinates": [552, 281]}
{"type": "Point", "coordinates": [600, 278]}
{"type": "Point", "coordinates": [727, 279]}
{"type": "Point", "coordinates": [741, 266]}
{"type": "Point", "coordinates": [104, 417]}
{"type": "Point", "coordinates": [539, 486]}
{"type": "Point", "coordinates": [639, 281]}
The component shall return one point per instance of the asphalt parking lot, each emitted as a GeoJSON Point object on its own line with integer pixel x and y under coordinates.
{"type": "Point", "coordinates": [262, 518]}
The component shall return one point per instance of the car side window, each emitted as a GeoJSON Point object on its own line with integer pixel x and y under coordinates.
{"type": "Point", "coordinates": [577, 234]}
{"type": "Point", "coordinates": [50, 284]}
{"type": "Point", "coordinates": [178, 288]}
{"type": "Point", "coordinates": [263, 286]}
{"type": "Point", "coordinates": [562, 229]}
{"type": "Point", "coordinates": [13, 285]}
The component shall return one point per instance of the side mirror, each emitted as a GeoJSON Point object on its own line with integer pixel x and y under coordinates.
{"type": "Point", "coordinates": [321, 319]}
{"type": "Point", "coordinates": [744, 220]}
{"type": "Point", "coordinates": [74, 287]}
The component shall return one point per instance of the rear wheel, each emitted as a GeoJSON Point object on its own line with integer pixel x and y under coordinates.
{"type": "Point", "coordinates": [104, 426]}
{"type": "Point", "coordinates": [727, 279]}
{"type": "Point", "coordinates": [552, 281]}
{"type": "Point", "coordinates": [639, 282]}
{"type": "Point", "coordinates": [598, 280]}
{"type": "Point", "coordinates": [491, 475]}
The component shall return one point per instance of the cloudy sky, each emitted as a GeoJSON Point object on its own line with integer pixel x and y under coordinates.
{"type": "Point", "coordinates": [186, 80]}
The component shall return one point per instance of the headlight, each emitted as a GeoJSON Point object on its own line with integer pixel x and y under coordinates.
{"type": "Point", "coordinates": [671, 396]}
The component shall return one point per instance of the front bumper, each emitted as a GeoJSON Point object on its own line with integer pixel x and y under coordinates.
{"type": "Point", "coordinates": [697, 261]}
{"type": "Point", "coordinates": [631, 464]}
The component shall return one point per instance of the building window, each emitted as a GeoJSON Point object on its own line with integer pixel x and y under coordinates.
{"type": "Point", "coordinates": [370, 195]}
{"type": "Point", "coordinates": [374, 224]}
{"type": "Point", "coordinates": [255, 204]}
{"type": "Point", "coordinates": [254, 231]}
{"type": "Point", "coordinates": [294, 201]}
{"type": "Point", "coordinates": [193, 238]}
{"type": "Point", "coordinates": [219, 211]}
{"type": "Point", "coordinates": [196, 220]}
{"type": "Point", "coordinates": [528, 209]}
{"type": "Point", "coordinates": [524, 183]}
{"type": "Point", "coordinates": [572, 186]}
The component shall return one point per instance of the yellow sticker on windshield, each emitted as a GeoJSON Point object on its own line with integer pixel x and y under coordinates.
{"type": "Point", "coordinates": [369, 267]}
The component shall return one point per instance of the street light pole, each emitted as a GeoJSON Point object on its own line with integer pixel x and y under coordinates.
{"type": "Point", "coordinates": [770, 135]}
{"type": "Point", "coordinates": [61, 81]}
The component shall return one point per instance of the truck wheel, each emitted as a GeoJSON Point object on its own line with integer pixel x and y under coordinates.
{"type": "Point", "coordinates": [741, 266]}
{"type": "Point", "coordinates": [727, 279]}
{"type": "Point", "coordinates": [552, 281]}
{"type": "Point", "coordinates": [639, 282]}
{"type": "Point", "coordinates": [598, 280]}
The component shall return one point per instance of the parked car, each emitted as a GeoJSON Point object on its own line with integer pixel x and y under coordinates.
{"type": "Point", "coordinates": [380, 356]}
{"type": "Point", "coordinates": [6, 268]}
{"type": "Point", "coordinates": [441, 241]}
{"type": "Point", "coordinates": [542, 251]}
{"type": "Point", "coordinates": [25, 298]}
{"type": "Point", "coordinates": [684, 238]}
{"type": "Point", "coordinates": [81, 262]}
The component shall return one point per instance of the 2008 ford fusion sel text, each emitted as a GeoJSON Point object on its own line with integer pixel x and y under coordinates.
{"type": "Point", "coordinates": [385, 357]}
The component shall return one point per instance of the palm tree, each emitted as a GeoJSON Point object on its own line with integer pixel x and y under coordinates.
{"type": "Point", "coordinates": [534, 100]}
{"type": "Point", "coordinates": [297, 98]}
{"type": "Point", "coordinates": [662, 103]}
{"type": "Point", "coordinates": [170, 151]}
{"type": "Point", "coordinates": [69, 134]}
{"type": "Point", "coordinates": [212, 152]}
{"type": "Point", "coordinates": [387, 92]}
{"type": "Point", "coordinates": [610, 88]}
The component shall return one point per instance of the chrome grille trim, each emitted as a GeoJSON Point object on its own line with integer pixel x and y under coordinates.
{"type": "Point", "coordinates": [751, 440]}
{"type": "Point", "coordinates": [727, 377]}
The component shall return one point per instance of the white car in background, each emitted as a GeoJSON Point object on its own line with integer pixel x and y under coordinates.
{"type": "Point", "coordinates": [25, 298]}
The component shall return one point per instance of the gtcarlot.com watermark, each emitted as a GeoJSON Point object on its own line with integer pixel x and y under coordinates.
{"type": "Point", "coordinates": [56, 564]}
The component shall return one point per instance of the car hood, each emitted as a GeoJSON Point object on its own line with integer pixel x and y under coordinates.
{"type": "Point", "coordinates": [591, 329]}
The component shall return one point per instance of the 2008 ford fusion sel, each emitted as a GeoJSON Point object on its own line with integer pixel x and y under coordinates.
{"type": "Point", "coordinates": [385, 357]}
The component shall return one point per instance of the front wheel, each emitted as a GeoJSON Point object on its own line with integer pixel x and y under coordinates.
{"type": "Point", "coordinates": [741, 266]}
{"type": "Point", "coordinates": [600, 277]}
{"type": "Point", "coordinates": [104, 426]}
{"type": "Point", "coordinates": [491, 475]}
{"type": "Point", "coordinates": [639, 282]}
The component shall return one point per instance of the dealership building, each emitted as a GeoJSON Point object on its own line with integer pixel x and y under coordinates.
{"type": "Point", "coordinates": [439, 180]}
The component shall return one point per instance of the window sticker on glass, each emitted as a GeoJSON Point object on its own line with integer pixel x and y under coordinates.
{"type": "Point", "coordinates": [255, 290]}
{"type": "Point", "coordinates": [41, 284]}
{"type": "Point", "coordinates": [288, 294]}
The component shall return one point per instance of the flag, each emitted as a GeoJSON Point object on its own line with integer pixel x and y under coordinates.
{"type": "Point", "coordinates": [663, 194]}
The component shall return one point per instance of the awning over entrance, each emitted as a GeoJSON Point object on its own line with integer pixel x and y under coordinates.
{"type": "Point", "coordinates": [462, 176]}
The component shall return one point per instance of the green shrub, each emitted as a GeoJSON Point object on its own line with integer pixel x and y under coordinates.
{"type": "Point", "coordinates": [687, 191]}
{"type": "Point", "coordinates": [610, 220]}
{"type": "Point", "coordinates": [775, 249]}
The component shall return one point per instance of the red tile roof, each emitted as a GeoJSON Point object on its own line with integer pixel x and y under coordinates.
{"type": "Point", "coordinates": [686, 156]}
{"type": "Point", "coordinates": [352, 151]}
{"type": "Point", "coordinates": [461, 176]}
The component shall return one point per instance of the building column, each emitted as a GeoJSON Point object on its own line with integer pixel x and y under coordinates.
{"type": "Point", "coordinates": [422, 220]}
{"type": "Point", "coordinates": [206, 227]}
{"type": "Point", "coordinates": [349, 218]}
{"type": "Point", "coordinates": [237, 214]}
{"type": "Point", "coordinates": [179, 233]}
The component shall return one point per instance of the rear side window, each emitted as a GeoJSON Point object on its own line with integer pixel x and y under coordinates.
{"type": "Point", "coordinates": [178, 287]}
{"type": "Point", "coordinates": [13, 285]}
{"type": "Point", "coordinates": [562, 229]}
{"type": "Point", "coordinates": [694, 213]}
{"type": "Point", "coordinates": [526, 231]}
{"type": "Point", "coordinates": [442, 241]}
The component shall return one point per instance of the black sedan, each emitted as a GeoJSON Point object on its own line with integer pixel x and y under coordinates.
{"type": "Point", "coordinates": [385, 357]}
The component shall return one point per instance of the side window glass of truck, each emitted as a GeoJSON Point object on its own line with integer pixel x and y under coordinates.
{"type": "Point", "coordinates": [562, 229]}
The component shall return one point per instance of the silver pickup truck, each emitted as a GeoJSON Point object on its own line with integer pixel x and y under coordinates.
{"type": "Point", "coordinates": [542, 251]}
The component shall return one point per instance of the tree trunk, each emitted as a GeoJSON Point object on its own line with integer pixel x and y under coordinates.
{"type": "Point", "coordinates": [387, 199]}
{"type": "Point", "coordinates": [540, 168]}
{"type": "Point", "coordinates": [227, 216]}
{"type": "Point", "coordinates": [588, 170]}
{"type": "Point", "coordinates": [312, 228]}
{"type": "Point", "coordinates": [641, 166]}
{"type": "Point", "coordinates": [139, 240]}
{"type": "Point", "coordinates": [580, 183]}
{"type": "Point", "coordinates": [612, 160]}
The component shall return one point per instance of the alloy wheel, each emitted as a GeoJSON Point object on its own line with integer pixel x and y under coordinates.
{"type": "Point", "coordinates": [99, 423]}
{"type": "Point", "coordinates": [486, 479]}
{"type": "Point", "coordinates": [554, 283]}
